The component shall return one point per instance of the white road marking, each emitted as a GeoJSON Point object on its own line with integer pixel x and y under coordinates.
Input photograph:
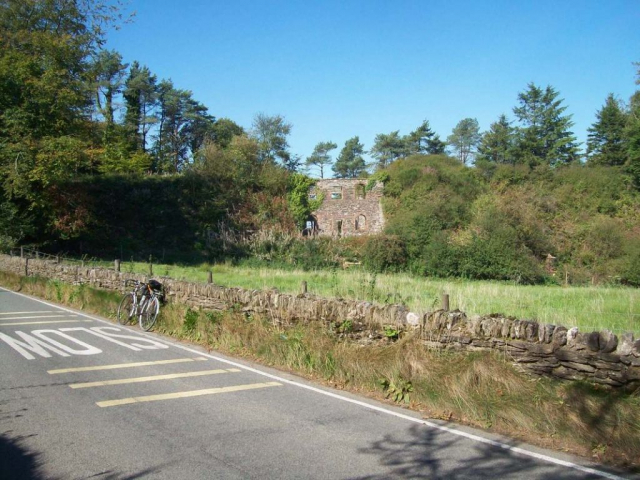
{"type": "Point", "coordinates": [192, 393]}
{"type": "Point", "coordinates": [37, 316]}
{"type": "Point", "coordinates": [153, 378]}
{"type": "Point", "coordinates": [15, 324]}
{"type": "Point", "coordinates": [124, 365]}
{"type": "Point", "coordinates": [453, 431]}
{"type": "Point", "coordinates": [27, 313]}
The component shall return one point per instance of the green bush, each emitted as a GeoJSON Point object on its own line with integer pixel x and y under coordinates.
{"type": "Point", "coordinates": [499, 257]}
{"type": "Point", "coordinates": [384, 253]}
{"type": "Point", "coordinates": [630, 265]}
{"type": "Point", "coordinates": [437, 258]}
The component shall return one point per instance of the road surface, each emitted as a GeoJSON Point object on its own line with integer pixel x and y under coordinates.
{"type": "Point", "coordinates": [81, 397]}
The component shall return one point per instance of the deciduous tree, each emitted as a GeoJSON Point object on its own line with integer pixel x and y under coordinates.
{"type": "Point", "coordinates": [271, 133]}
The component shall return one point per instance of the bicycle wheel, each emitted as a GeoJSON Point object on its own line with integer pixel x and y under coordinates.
{"type": "Point", "coordinates": [149, 314]}
{"type": "Point", "coordinates": [126, 309]}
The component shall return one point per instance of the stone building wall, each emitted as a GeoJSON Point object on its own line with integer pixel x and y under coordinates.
{"type": "Point", "coordinates": [348, 209]}
{"type": "Point", "coordinates": [538, 349]}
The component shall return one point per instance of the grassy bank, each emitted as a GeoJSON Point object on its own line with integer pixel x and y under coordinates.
{"type": "Point", "coordinates": [589, 308]}
{"type": "Point", "coordinates": [479, 389]}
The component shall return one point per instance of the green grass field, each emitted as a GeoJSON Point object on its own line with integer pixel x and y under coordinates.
{"type": "Point", "coordinates": [589, 308]}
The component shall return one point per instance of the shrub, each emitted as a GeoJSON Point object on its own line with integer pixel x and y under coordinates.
{"type": "Point", "coordinates": [630, 271]}
{"type": "Point", "coordinates": [499, 257]}
{"type": "Point", "coordinates": [384, 253]}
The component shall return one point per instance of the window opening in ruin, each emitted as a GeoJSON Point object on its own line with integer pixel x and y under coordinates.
{"type": "Point", "coordinates": [361, 222]}
{"type": "Point", "coordinates": [311, 226]}
{"type": "Point", "coordinates": [339, 228]}
{"type": "Point", "coordinates": [336, 192]}
{"type": "Point", "coordinates": [360, 191]}
{"type": "Point", "coordinates": [312, 193]}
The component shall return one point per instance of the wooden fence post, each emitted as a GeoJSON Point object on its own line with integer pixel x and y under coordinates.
{"type": "Point", "coordinates": [117, 264]}
{"type": "Point", "coordinates": [445, 302]}
{"type": "Point", "coordinates": [21, 252]}
{"type": "Point", "coordinates": [210, 277]}
{"type": "Point", "coordinates": [304, 286]}
{"type": "Point", "coordinates": [26, 267]}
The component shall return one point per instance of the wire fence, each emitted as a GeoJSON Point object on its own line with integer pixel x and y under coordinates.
{"type": "Point", "coordinates": [60, 258]}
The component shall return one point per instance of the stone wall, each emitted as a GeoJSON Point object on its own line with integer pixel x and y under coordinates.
{"type": "Point", "coordinates": [539, 349]}
{"type": "Point", "coordinates": [356, 212]}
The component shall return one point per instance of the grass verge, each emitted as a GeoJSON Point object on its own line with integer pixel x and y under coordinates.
{"type": "Point", "coordinates": [478, 389]}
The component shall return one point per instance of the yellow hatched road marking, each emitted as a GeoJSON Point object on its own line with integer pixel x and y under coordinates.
{"type": "Point", "coordinates": [125, 365]}
{"type": "Point", "coordinates": [13, 324]}
{"type": "Point", "coordinates": [152, 378]}
{"type": "Point", "coordinates": [39, 316]}
{"type": "Point", "coordinates": [192, 393]}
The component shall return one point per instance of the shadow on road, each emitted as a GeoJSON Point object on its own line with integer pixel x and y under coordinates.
{"type": "Point", "coordinates": [428, 455]}
{"type": "Point", "coordinates": [16, 461]}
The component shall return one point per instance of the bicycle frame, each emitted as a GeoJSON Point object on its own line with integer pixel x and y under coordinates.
{"type": "Point", "coordinates": [142, 303]}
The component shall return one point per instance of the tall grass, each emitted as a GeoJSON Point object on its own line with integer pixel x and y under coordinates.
{"type": "Point", "coordinates": [589, 308]}
{"type": "Point", "coordinates": [481, 388]}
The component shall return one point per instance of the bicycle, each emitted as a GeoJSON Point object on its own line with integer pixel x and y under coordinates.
{"type": "Point", "coordinates": [143, 301]}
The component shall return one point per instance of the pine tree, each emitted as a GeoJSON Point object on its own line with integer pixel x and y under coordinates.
{"type": "Point", "coordinates": [141, 100]}
{"type": "Point", "coordinates": [424, 140]}
{"type": "Point", "coordinates": [350, 163]}
{"type": "Point", "coordinates": [320, 156]}
{"type": "Point", "coordinates": [544, 136]}
{"type": "Point", "coordinates": [606, 143]}
{"type": "Point", "coordinates": [388, 147]}
{"type": "Point", "coordinates": [632, 135]}
{"type": "Point", "coordinates": [464, 139]}
{"type": "Point", "coordinates": [496, 145]}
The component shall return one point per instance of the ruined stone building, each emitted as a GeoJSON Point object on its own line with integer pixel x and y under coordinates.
{"type": "Point", "coordinates": [347, 209]}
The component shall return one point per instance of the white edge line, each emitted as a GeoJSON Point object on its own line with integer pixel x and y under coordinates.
{"type": "Point", "coordinates": [427, 423]}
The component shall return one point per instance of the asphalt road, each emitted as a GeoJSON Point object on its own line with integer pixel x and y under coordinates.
{"type": "Point", "coordinates": [83, 398]}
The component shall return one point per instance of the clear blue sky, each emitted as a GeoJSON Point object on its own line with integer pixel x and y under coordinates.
{"type": "Point", "coordinates": [335, 69]}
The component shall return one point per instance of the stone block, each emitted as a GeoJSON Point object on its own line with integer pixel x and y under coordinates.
{"type": "Point", "coordinates": [540, 349]}
{"type": "Point", "coordinates": [545, 333]}
{"type": "Point", "coordinates": [530, 331]}
{"type": "Point", "coordinates": [572, 335]}
{"type": "Point", "coordinates": [580, 367]}
{"type": "Point", "coordinates": [507, 324]}
{"type": "Point", "coordinates": [625, 345]}
{"type": "Point", "coordinates": [592, 341]}
{"type": "Point", "coordinates": [565, 373]}
{"type": "Point", "coordinates": [559, 337]}
{"type": "Point", "coordinates": [474, 325]}
{"type": "Point", "coordinates": [566, 354]}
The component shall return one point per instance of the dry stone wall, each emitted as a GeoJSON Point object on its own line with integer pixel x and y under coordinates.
{"type": "Point", "coordinates": [539, 349]}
